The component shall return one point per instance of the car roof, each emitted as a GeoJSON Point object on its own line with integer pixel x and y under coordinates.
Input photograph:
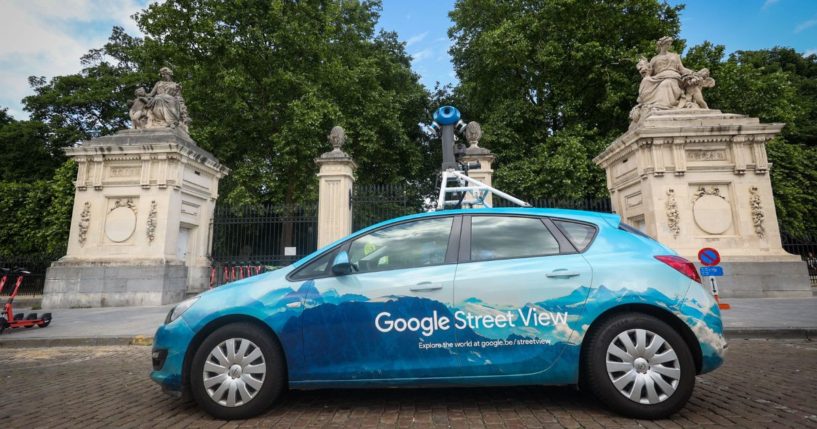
{"type": "Point", "coordinates": [581, 215]}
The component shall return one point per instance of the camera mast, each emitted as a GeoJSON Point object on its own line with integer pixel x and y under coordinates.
{"type": "Point", "coordinates": [455, 184]}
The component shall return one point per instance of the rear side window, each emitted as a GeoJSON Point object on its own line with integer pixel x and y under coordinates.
{"type": "Point", "coordinates": [503, 237]}
{"type": "Point", "coordinates": [623, 226]}
{"type": "Point", "coordinates": [580, 234]}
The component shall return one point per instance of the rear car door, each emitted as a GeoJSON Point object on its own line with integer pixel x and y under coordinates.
{"type": "Point", "coordinates": [519, 286]}
{"type": "Point", "coordinates": [373, 323]}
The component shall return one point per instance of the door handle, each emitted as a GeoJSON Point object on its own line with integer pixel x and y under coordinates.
{"type": "Point", "coordinates": [425, 287]}
{"type": "Point", "coordinates": [562, 274]}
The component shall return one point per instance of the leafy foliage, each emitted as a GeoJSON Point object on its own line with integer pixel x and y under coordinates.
{"type": "Point", "coordinates": [553, 82]}
{"type": "Point", "coordinates": [35, 216]}
{"type": "Point", "coordinates": [264, 81]}
{"type": "Point", "coordinates": [26, 150]}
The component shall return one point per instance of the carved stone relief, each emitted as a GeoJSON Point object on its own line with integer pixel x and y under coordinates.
{"type": "Point", "coordinates": [757, 212]}
{"type": "Point", "coordinates": [84, 223]}
{"type": "Point", "coordinates": [121, 220]}
{"type": "Point", "coordinates": [673, 217]}
{"type": "Point", "coordinates": [151, 226]}
{"type": "Point", "coordinates": [711, 211]}
{"type": "Point", "coordinates": [706, 155]}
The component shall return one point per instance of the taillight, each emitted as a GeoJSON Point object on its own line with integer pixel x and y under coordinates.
{"type": "Point", "coordinates": [681, 265]}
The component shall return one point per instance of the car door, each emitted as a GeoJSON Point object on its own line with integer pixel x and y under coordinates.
{"type": "Point", "coordinates": [375, 322]}
{"type": "Point", "coordinates": [520, 289]}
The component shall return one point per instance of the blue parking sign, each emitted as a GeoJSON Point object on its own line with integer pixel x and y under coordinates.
{"type": "Point", "coordinates": [715, 271]}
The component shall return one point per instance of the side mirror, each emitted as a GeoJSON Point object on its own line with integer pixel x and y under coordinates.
{"type": "Point", "coordinates": [341, 265]}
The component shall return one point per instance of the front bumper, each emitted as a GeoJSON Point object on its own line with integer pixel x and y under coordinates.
{"type": "Point", "coordinates": [169, 348]}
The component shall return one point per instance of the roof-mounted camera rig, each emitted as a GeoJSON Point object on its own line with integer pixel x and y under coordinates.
{"type": "Point", "coordinates": [455, 184]}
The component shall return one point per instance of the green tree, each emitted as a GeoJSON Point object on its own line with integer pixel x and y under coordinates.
{"type": "Point", "coordinates": [35, 216]}
{"type": "Point", "coordinates": [553, 82]}
{"type": "Point", "coordinates": [264, 81]}
{"type": "Point", "coordinates": [26, 152]}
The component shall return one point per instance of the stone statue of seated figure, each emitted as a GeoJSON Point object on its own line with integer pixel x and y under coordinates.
{"type": "Point", "coordinates": [162, 107]}
{"type": "Point", "coordinates": [667, 84]}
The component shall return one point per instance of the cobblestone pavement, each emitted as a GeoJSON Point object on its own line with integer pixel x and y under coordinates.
{"type": "Point", "coordinates": [765, 383]}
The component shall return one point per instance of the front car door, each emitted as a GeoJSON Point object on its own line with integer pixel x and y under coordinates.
{"type": "Point", "coordinates": [376, 322]}
{"type": "Point", "coordinates": [519, 286]}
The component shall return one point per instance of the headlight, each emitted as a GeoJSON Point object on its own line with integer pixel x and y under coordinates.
{"type": "Point", "coordinates": [179, 309]}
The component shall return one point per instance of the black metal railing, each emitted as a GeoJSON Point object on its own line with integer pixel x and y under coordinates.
{"type": "Point", "coordinates": [806, 247]}
{"type": "Point", "coordinates": [265, 236]}
{"type": "Point", "coordinates": [589, 204]}
{"type": "Point", "coordinates": [375, 203]}
{"type": "Point", "coordinates": [34, 283]}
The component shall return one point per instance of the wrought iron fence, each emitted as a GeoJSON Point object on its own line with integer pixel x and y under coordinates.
{"type": "Point", "coordinates": [34, 283]}
{"type": "Point", "coordinates": [375, 203]}
{"type": "Point", "coordinates": [252, 239]}
{"type": "Point", "coordinates": [806, 247]}
{"type": "Point", "coordinates": [589, 204]}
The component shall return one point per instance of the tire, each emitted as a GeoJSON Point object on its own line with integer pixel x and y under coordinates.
{"type": "Point", "coordinates": [263, 385]}
{"type": "Point", "coordinates": [46, 320]}
{"type": "Point", "coordinates": [659, 383]}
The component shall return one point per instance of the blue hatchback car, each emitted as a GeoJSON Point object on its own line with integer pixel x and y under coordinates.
{"type": "Point", "coordinates": [514, 296]}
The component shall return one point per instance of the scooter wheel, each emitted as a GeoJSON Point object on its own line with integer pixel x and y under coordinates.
{"type": "Point", "coordinates": [31, 316]}
{"type": "Point", "coordinates": [46, 320]}
{"type": "Point", "coordinates": [3, 324]}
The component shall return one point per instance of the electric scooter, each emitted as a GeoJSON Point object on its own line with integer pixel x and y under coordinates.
{"type": "Point", "coordinates": [10, 320]}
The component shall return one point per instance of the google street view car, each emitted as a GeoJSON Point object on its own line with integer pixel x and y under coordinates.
{"type": "Point", "coordinates": [513, 296]}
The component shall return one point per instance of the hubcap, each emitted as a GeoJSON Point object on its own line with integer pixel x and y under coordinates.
{"type": "Point", "coordinates": [643, 366]}
{"type": "Point", "coordinates": [234, 372]}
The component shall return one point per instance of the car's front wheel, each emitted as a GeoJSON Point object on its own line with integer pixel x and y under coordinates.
{"type": "Point", "coordinates": [639, 366]}
{"type": "Point", "coordinates": [237, 372]}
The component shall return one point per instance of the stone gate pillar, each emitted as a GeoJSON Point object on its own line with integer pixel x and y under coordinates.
{"type": "Point", "coordinates": [140, 228]}
{"type": "Point", "coordinates": [474, 152]}
{"type": "Point", "coordinates": [336, 181]}
{"type": "Point", "coordinates": [143, 205]}
{"type": "Point", "coordinates": [694, 178]}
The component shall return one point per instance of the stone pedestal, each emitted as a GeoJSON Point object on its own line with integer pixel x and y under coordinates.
{"type": "Point", "coordinates": [336, 181]}
{"type": "Point", "coordinates": [140, 229]}
{"type": "Point", "coordinates": [484, 173]}
{"type": "Point", "coordinates": [694, 178]}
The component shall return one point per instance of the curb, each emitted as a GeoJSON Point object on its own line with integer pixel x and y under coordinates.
{"type": "Point", "coordinates": [770, 333]}
{"type": "Point", "coordinates": [16, 343]}
{"type": "Point", "coordinates": [142, 340]}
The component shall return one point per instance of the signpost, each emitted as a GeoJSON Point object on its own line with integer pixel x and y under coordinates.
{"type": "Point", "coordinates": [710, 258]}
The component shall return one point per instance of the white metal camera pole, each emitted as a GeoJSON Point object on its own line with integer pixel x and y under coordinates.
{"type": "Point", "coordinates": [447, 121]}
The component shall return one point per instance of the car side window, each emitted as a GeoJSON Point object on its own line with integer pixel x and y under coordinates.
{"type": "Point", "coordinates": [316, 268]}
{"type": "Point", "coordinates": [580, 234]}
{"type": "Point", "coordinates": [503, 237]}
{"type": "Point", "coordinates": [405, 245]}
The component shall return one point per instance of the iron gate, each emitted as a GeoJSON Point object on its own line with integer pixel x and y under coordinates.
{"type": "Point", "coordinates": [248, 240]}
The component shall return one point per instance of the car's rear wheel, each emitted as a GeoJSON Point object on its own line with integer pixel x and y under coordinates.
{"type": "Point", "coordinates": [237, 372]}
{"type": "Point", "coordinates": [639, 366]}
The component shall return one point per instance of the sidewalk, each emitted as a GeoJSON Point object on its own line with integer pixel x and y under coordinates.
{"type": "Point", "coordinates": [748, 318]}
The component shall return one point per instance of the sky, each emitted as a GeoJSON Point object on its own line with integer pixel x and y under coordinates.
{"type": "Point", "coordinates": [48, 37]}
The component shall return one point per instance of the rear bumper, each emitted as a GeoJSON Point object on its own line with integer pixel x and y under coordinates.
{"type": "Point", "coordinates": [701, 313]}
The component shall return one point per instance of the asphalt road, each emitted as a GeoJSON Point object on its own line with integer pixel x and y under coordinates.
{"type": "Point", "coordinates": [765, 383]}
